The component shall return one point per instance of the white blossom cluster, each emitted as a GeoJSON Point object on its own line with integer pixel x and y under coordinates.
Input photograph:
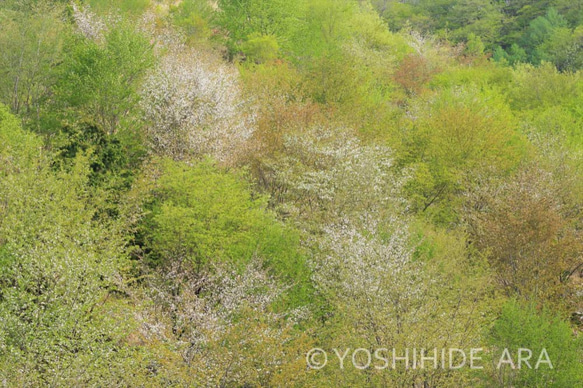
{"type": "Point", "coordinates": [369, 265]}
{"type": "Point", "coordinates": [88, 23]}
{"type": "Point", "coordinates": [332, 171]}
{"type": "Point", "coordinates": [194, 106]}
{"type": "Point", "coordinates": [203, 308]}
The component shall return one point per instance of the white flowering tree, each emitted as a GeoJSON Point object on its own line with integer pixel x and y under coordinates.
{"type": "Point", "coordinates": [385, 292]}
{"type": "Point", "coordinates": [88, 23]}
{"type": "Point", "coordinates": [370, 271]}
{"type": "Point", "coordinates": [194, 106]}
{"type": "Point", "coordinates": [223, 326]}
{"type": "Point", "coordinates": [327, 173]}
{"type": "Point", "coordinates": [383, 285]}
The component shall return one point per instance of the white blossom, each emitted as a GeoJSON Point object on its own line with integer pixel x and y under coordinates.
{"type": "Point", "coordinates": [330, 171]}
{"type": "Point", "coordinates": [369, 264]}
{"type": "Point", "coordinates": [194, 106]}
{"type": "Point", "coordinates": [204, 306]}
{"type": "Point", "coordinates": [88, 23]}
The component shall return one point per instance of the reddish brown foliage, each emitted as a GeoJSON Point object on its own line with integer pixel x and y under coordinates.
{"type": "Point", "coordinates": [414, 73]}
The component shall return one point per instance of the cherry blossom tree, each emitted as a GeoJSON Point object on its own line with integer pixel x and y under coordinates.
{"type": "Point", "coordinates": [194, 106]}
{"type": "Point", "coordinates": [223, 325]}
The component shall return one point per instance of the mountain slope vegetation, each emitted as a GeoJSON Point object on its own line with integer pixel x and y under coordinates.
{"type": "Point", "coordinates": [197, 193]}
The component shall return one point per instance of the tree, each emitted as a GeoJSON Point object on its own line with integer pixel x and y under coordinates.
{"type": "Point", "coordinates": [530, 233]}
{"type": "Point", "coordinates": [414, 73]}
{"type": "Point", "coordinates": [519, 14]}
{"type": "Point", "coordinates": [563, 48]}
{"type": "Point", "coordinates": [451, 138]}
{"type": "Point", "coordinates": [247, 19]}
{"type": "Point", "coordinates": [200, 215]}
{"type": "Point", "coordinates": [194, 106]}
{"type": "Point", "coordinates": [542, 27]}
{"type": "Point", "coordinates": [100, 78]}
{"type": "Point", "coordinates": [542, 87]}
{"type": "Point", "coordinates": [385, 291]}
{"type": "Point", "coordinates": [62, 320]}
{"type": "Point", "coordinates": [31, 43]}
{"type": "Point", "coordinates": [475, 46]}
{"type": "Point", "coordinates": [523, 326]}
{"type": "Point", "coordinates": [572, 10]}
{"type": "Point", "coordinates": [478, 17]}
{"type": "Point", "coordinates": [322, 174]}
{"type": "Point", "coordinates": [195, 17]}
{"type": "Point", "coordinates": [219, 327]}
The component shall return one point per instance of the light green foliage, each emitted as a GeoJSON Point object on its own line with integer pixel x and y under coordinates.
{"type": "Point", "coordinates": [355, 62]}
{"type": "Point", "coordinates": [340, 38]}
{"type": "Point", "coordinates": [452, 138]}
{"type": "Point", "coordinates": [485, 76]}
{"type": "Point", "coordinates": [543, 86]}
{"type": "Point", "coordinates": [248, 18]}
{"type": "Point", "coordinates": [260, 48]}
{"type": "Point", "coordinates": [31, 47]}
{"type": "Point", "coordinates": [323, 27]}
{"type": "Point", "coordinates": [127, 6]}
{"type": "Point", "coordinates": [522, 326]}
{"type": "Point", "coordinates": [17, 145]}
{"type": "Point", "coordinates": [558, 121]}
{"type": "Point", "coordinates": [475, 46]}
{"type": "Point", "coordinates": [203, 215]}
{"type": "Point", "coordinates": [58, 272]}
{"type": "Point", "coordinates": [100, 78]}
{"type": "Point", "coordinates": [195, 18]}
{"type": "Point", "coordinates": [345, 53]}
{"type": "Point", "coordinates": [301, 28]}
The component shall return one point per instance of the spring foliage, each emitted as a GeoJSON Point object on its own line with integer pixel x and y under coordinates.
{"type": "Point", "coordinates": [197, 193]}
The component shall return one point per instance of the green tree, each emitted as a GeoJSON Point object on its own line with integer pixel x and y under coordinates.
{"type": "Point", "coordinates": [100, 79]}
{"type": "Point", "coordinates": [563, 48]}
{"type": "Point", "coordinates": [62, 321]}
{"type": "Point", "coordinates": [31, 47]}
{"type": "Point", "coordinates": [247, 19]}
{"type": "Point", "coordinates": [95, 102]}
{"type": "Point", "coordinates": [195, 17]}
{"type": "Point", "coordinates": [479, 17]}
{"type": "Point", "coordinates": [572, 9]}
{"type": "Point", "coordinates": [540, 29]}
{"type": "Point", "coordinates": [475, 46]}
{"type": "Point", "coordinates": [201, 215]}
{"type": "Point", "coordinates": [452, 139]}
{"type": "Point", "coordinates": [522, 326]}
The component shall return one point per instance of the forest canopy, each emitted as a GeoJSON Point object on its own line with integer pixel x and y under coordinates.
{"type": "Point", "coordinates": [201, 193]}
